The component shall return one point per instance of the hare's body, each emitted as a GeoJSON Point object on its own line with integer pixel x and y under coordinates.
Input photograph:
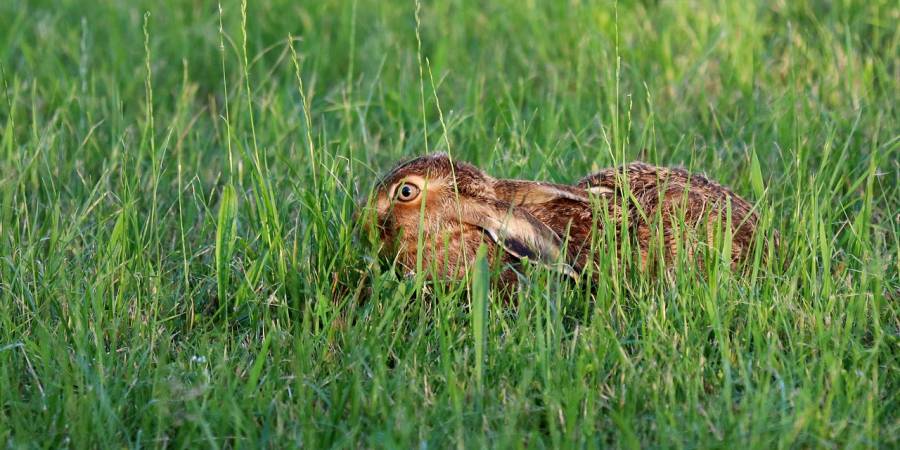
{"type": "Point", "coordinates": [675, 208]}
{"type": "Point", "coordinates": [442, 210]}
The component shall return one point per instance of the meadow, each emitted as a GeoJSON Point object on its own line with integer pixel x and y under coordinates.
{"type": "Point", "coordinates": [180, 266]}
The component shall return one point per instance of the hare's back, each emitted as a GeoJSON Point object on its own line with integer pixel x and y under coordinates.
{"type": "Point", "coordinates": [676, 194]}
{"type": "Point", "coordinates": [642, 176]}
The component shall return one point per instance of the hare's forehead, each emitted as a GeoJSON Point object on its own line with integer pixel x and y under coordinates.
{"type": "Point", "coordinates": [420, 179]}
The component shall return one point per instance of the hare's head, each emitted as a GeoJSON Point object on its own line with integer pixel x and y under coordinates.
{"type": "Point", "coordinates": [444, 209]}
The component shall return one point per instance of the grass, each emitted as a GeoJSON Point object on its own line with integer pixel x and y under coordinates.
{"type": "Point", "coordinates": [179, 265]}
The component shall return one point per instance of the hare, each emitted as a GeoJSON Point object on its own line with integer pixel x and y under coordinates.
{"type": "Point", "coordinates": [444, 209]}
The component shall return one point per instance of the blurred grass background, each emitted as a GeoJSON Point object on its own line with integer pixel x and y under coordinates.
{"type": "Point", "coordinates": [179, 266]}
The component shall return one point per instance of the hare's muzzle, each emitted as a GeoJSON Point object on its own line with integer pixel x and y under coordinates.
{"type": "Point", "coordinates": [371, 222]}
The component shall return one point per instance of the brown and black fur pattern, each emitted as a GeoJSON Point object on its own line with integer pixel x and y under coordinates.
{"type": "Point", "coordinates": [459, 207]}
{"type": "Point", "coordinates": [679, 208]}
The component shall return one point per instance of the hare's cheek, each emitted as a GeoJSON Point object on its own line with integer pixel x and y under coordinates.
{"type": "Point", "coordinates": [409, 227]}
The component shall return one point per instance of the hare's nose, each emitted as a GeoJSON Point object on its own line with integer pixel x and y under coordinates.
{"type": "Point", "coordinates": [367, 218]}
{"type": "Point", "coordinates": [362, 215]}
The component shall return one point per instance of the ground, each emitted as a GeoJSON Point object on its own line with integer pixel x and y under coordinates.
{"type": "Point", "coordinates": [180, 267]}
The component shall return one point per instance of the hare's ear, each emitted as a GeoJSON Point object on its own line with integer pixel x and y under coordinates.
{"type": "Point", "coordinates": [523, 193]}
{"type": "Point", "coordinates": [519, 233]}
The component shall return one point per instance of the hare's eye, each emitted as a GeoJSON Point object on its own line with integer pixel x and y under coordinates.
{"type": "Point", "coordinates": [407, 192]}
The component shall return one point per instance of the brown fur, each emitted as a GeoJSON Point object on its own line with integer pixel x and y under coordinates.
{"type": "Point", "coordinates": [550, 223]}
{"type": "Point", "coordinates": [660, 198]}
